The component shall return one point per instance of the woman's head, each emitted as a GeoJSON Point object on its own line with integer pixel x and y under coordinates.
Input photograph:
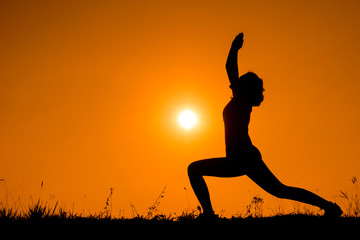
{"type": "Point", "coordinates": [251, 86]}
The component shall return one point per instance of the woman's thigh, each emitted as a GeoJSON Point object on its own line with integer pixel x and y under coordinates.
{"type": "Point", "coordinates": [217, 167]}
{"type": "Point", "coordinates": [262, 176]}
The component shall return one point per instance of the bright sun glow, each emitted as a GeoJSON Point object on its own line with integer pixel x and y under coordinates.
{"type": "Point", "coordinates": [187, 119]}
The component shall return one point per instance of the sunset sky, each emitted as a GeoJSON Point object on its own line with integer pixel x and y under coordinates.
{"type": "Point", "coordinates": [90, 92]}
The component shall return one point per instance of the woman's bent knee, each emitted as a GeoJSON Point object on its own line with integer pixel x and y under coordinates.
{"type": "Point", "coordinates": [192, 169]}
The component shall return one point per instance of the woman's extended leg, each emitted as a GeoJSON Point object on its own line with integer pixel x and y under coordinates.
{"type": "Point", "coordinates": [218, 167]}
{"type": "Point", "coordinates": [263, 177]}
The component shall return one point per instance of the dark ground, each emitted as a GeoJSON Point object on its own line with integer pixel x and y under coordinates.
{"type": "Point", "coordinates": [288, 226]}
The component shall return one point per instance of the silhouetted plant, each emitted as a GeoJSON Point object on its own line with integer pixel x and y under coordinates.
{"type": "Point", "coordinates": [352, 200]}
{"type": "Point", "coordinates": [134, 211]}
{"type": "Point", "coordinates": [108, 205]}
{"type": "Point", "coordinates": [8, 214]}
{"type": "Point", "coordinates": [37, 211]}
{"type": "Point", "coordinates": [153, 208]}
{"type": "Point", "coordinates": [187, 215]}
{"type": "Point", "coordinates": [163, 217]}
{"type": "Point", "coordinates": [255, 208]}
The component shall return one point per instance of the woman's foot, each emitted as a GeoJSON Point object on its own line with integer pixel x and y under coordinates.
{"type": "Point", "coordinates": [207, 217]}
{"type": "Point", "coordinates": [333, 210]}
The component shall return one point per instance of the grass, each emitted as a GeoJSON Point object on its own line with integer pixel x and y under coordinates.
{"type": "Point", "coordinates": [41, 212]}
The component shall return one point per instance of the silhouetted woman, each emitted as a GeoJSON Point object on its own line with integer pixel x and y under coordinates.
{"type": "Point", "coordinates": [243, 158]}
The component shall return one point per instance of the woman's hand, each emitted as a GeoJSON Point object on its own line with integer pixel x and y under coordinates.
{"type": "Point", "coordinates": [238, 41]}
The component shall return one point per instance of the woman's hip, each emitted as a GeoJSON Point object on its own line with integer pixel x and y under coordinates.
{"type": "Point", "coordinates": [245, 152]}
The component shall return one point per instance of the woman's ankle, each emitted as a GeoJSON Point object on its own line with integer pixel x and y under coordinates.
{"type": "Point", "coordinates": [208, 213]}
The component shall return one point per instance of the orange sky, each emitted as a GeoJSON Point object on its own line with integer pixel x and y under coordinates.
{"type": "Point", "coordinates": [90, 91]}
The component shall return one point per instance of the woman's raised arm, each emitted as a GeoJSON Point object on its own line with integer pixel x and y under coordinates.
{"type": "Point", "coordinates": [232, 63]}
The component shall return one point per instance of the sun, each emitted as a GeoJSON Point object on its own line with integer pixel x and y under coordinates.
{"type": "Point", "coordinates": [187, 119]}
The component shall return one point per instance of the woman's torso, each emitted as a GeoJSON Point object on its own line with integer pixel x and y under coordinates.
{"type": "Point", "coordinates": [236, 116]}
